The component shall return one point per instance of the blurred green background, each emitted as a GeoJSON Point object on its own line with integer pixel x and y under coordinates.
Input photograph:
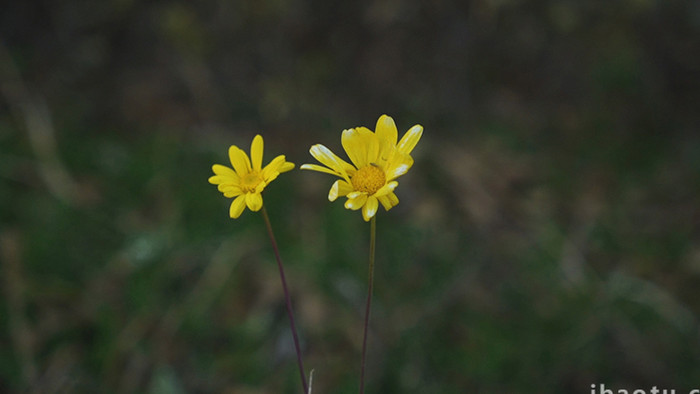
{"type": "Point", "coordinates": [547, 239]}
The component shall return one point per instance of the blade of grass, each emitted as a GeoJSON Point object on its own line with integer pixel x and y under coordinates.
{"type": "Point", "coordinates": [368, 306]}
{"type": "Point", "coordinates": [287, 300]}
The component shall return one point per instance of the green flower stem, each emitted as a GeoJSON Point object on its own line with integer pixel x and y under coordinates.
{"type": "Point", "coordinates": [287, 300]}
{"type": "Point", "coordinates": [372, 242]}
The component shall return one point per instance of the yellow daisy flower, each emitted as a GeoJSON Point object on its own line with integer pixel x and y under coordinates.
{"type": "Point", "coordinates": [247, 179]}
{"type": "Point", "coordinates": [377, 160]}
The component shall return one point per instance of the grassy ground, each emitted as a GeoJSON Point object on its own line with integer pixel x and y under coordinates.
{"type": "Point", "coordinates": [547, 237]}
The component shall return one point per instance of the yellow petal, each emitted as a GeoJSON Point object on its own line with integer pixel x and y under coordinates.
{"type": "Point", "coordinates": [386, 203]}
{"type": "Point", "coordinates": [386, 153]}
{"type": "Point", "coordinates": [399, 164]}
{"type": "Point", "coordinates": [355, 144]}
{"type": "Point", "coordinates": [239, 160]}
{"type": "Point", "coordinates": [269, 179]}
{"type": "Point", "coordinates": [331, 160]}
{"type": "Point", "coordinates": [287, 166]}
{"type": "Point", "coordinates": [256, 152]}
{"type": "Point", "coordinates": [228, 187]}
{"type": "Point", "coordinates": [223, 170]}
{"type": "Point", "coordinates": [386, 189]}
{"type": "Point", "coordinates": [224, 180]}
{"type": "Point", "coordinates": [273, 168]}
{"type": "Point", "coordinates": [232, 192]}
{"type": "Point", "coordinates": [356, 203]}
{"type": "Point", "coordinates": [316, 167]}
{"type": "Point", "coordinates": [373, 146]}
{"type": "Point", "coordinates": [279, 164]}
{"type": "Point", "coordinates": [340, 188]}
{"type": "Point", "coordinates": [237, 207]}
{"type": "Point", "coordinates": [261, 186]}
{"type": "Point", "coordinates": [410, 139]}
{"type": "Point", "coordinates": [386, 129]}
{"type": "Point", "coordinates": [254, 201]}
{"type": "Point", "coordinates": [355, 194]}
{"type": "Point", "coordinates": [393, 199]}
{"type": "Point", "coordinates": [370, 208]}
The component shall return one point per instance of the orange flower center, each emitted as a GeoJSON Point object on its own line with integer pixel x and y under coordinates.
{"type": "Point", "coordinates": [250, 181]}
{"type": "Point", "coordinates": [368, 179]}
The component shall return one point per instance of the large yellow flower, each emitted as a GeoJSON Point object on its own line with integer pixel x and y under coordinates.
{"type": "Point", "coordinates": [377, 160]}
{"type": "Point", "coordinates": [247, 179]}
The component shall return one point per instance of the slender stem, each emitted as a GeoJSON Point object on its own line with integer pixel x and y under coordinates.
{"type": "Point", "coordinates": [372, 241]}
{"type": "Point", "coordinates": [287, 299]}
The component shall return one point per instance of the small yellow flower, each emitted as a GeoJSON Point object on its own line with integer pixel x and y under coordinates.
{"type": "Point", "coordinates": [377, 160]}
{"type": "Point", "coordinates": [247, 179]}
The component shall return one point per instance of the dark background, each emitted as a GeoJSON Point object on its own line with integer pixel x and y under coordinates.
{"type": "Point", "coordinates": [547, 237]}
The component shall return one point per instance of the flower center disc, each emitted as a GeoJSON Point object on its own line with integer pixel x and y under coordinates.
{"type": "Point", "coordinates": [250, 181]}
{"type": "Point", "coordinates": [368, 179]}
